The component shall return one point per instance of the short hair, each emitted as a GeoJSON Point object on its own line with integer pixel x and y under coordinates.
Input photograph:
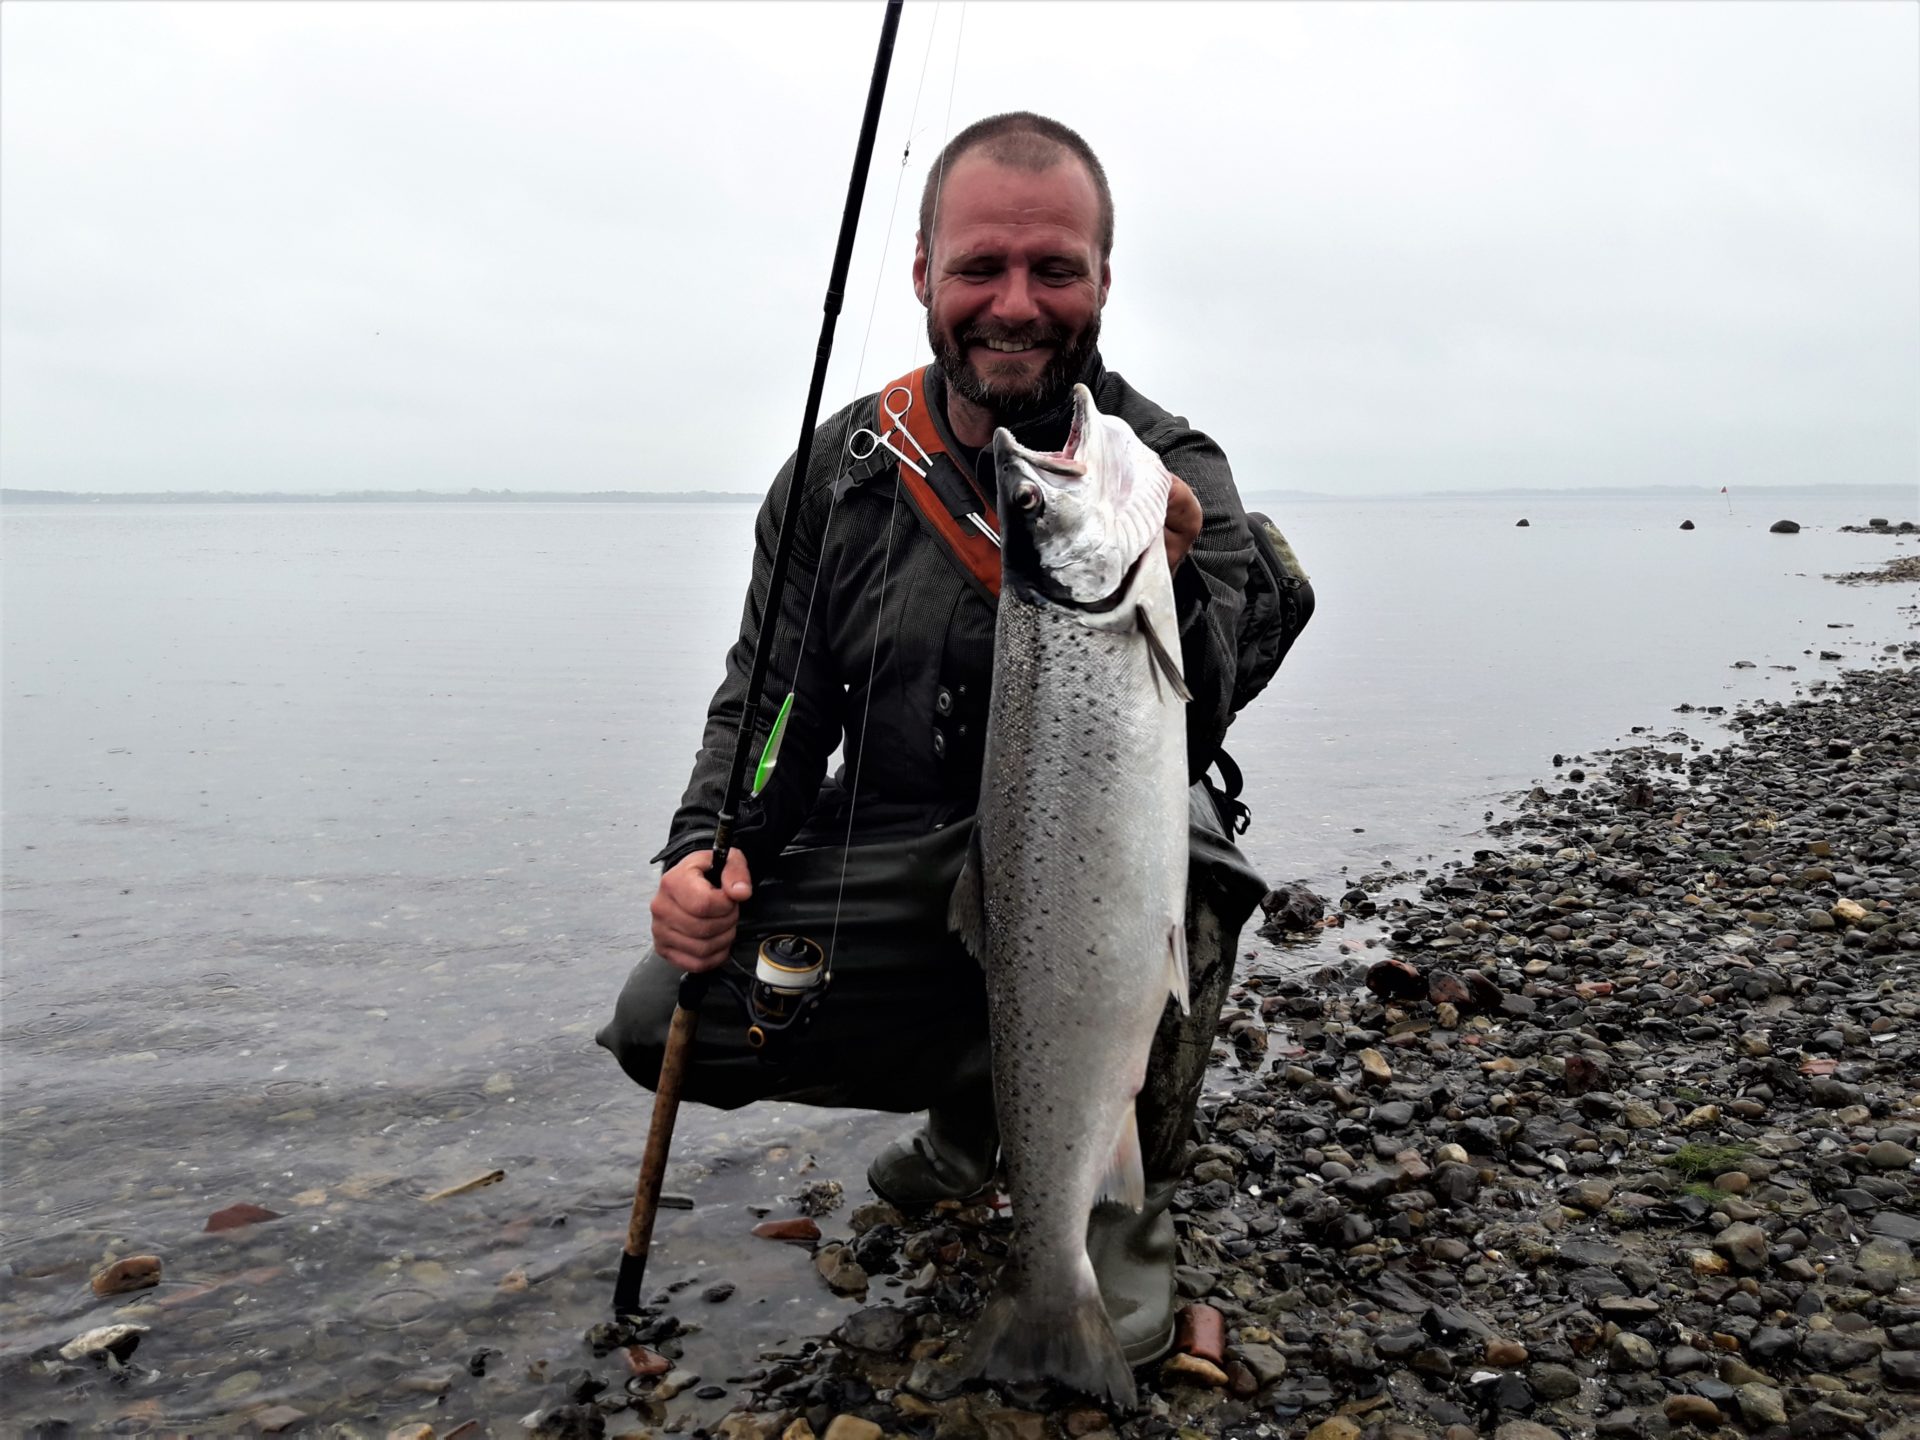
{"type": "Point", "coordinates": [1025, 141]}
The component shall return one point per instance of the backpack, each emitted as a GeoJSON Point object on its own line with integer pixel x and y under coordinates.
{"type": "Point", "coordinates": [1279, 602]}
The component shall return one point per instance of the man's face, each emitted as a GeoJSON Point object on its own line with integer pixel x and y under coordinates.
{"type": "Point", "coordinates": [1014, 285]}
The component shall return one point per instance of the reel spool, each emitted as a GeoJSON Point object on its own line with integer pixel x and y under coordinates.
{"type": "Point", "coordinates": [789, 979]}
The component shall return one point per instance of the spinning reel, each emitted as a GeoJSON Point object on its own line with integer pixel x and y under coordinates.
{"type": "Point", "coordinates": [789, 980]}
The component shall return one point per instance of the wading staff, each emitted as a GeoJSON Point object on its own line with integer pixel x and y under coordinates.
{"type": "Point", "coordinates": [693, 988]}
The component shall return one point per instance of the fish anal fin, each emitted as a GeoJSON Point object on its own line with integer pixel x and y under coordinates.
{"type": "Point", "coordinates": [1178, 984]}
{"type": "Point", "coordinates": [967, 911]}
{"type": "Point", "coordinates": [1125, 1182]}
{"type": "Point", "coordinates": [1162, 657]}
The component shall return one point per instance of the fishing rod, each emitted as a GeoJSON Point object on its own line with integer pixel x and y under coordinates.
{"type": "Point", "coordinates": [694, 987]}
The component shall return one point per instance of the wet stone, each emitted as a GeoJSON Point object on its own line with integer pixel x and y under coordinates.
{"type": "Point", "coordinates": [1760, 1405]}
{"type": "Point", "coordinates": [1744, 1246]}
{"type": "Point", "coordinates": [1629, 1352]}
{"type": "Point", "coordinates": [1553, 1382]}
{"type": "Point", "coordinates": [1692, 1410]}
{"type": "Point", "coordinates": [1901, 1368]}
{"type": "Point", "coordinates": [879, 1329]}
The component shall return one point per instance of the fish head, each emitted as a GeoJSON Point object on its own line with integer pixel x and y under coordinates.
{"type": "Point", "coordinates": [1075, 522]}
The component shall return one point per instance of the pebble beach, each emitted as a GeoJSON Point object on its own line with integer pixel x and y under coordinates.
{"type": "Point", "coordinates": [1612, 1131]}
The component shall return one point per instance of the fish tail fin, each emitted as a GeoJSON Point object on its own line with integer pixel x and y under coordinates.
{"type": "Point", "coordinates": [1126, 1178]}
{"type": "Point", "coordinates": [1178, 984]}
{"type": "Point", "coordinates": [1020, 1337]}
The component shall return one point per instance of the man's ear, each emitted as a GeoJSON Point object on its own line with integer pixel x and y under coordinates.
{"type": "Point", "coordinates": [1106, 281]}
{"type": "Point", "coordinates": [920, 268]}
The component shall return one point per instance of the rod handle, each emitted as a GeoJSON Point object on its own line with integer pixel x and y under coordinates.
{"type": "Point", "coordinates": [653, 1164]}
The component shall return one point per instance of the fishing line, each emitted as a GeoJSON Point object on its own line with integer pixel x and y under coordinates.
{"type": "Point", "coordinates": [860, 365]}
{"type": "Point", "coordinates": [886, 560]}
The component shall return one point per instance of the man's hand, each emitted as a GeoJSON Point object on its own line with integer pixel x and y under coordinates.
{"type": "Point", "coordinates": [1183, 521]}
{"type": "Point", "coordinates": [693, 923]}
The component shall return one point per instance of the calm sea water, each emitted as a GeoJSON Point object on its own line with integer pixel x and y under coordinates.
{"type": "Point", "coordinates": [325, 839]}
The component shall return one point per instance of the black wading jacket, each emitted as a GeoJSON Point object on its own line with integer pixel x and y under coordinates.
{"type": "Point", "coordinates": [898, 658]}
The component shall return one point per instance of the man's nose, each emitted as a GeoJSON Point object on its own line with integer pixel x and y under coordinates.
{"type": "Point", "coordinates": [1013, 301]}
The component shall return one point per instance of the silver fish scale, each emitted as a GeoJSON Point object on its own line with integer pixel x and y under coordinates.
{"type": "Point", "coordinates": [1083, 828]}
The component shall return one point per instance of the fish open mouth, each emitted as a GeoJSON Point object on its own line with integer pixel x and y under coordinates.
{"type": "Point", "coordinates": [1066, 460]}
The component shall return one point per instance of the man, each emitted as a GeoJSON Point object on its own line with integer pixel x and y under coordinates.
{"type": "Point", "coordinates": [886, 644]}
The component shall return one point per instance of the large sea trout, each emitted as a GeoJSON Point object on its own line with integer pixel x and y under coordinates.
{"type": "Point", "coordinates": [1075, 895]}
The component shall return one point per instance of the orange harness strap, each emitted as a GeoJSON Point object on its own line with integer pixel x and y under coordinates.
{"type": "Point", "coordinates": [976, 554]}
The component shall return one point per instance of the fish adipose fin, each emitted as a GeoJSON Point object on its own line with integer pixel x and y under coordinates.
{"type": "Point", "coordinates": [1177, 982]}
{"type": "Point", "coordinates": [967, 911]}
{"type": "Point", "coordinates": [1126, 1178]}
{"type": "Point", "coordinates": [1020, 1338]}
{"type": "Point", "coordinates": [1161, 656]}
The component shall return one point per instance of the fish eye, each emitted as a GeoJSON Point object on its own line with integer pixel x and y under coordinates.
{"type": "Point", "coordinates": [1027, 496]}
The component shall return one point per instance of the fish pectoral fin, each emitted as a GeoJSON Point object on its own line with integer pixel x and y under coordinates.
{"type": "Point", "coordinates": [1162, 657]}
{"type": "Point", "coordinates": [1178, 984]}
{"type": "Point", "coordinates": [967, 911]}
{"type": "Point", "coordinates": [1125, 1182]}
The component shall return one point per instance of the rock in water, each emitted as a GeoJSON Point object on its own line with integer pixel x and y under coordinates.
{"type": "Point", "coordinates": [118, 1341]}
{"type": "Point", "coordinates": [1086, 664]}
{"type": "Point", "coordinates": [136, 1272]}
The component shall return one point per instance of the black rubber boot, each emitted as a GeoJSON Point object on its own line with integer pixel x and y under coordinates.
{"type": "Point", "coordinates": [1133, 1254]}
{"type": "Point", "coordinates": [948, 1158]}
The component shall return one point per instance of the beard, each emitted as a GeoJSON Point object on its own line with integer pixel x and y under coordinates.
{"type": "Point", "coordinates": [1014, 401]}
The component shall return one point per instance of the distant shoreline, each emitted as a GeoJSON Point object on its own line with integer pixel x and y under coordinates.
{"type": "Point", "coordinates": [363, 497]}
{"type": "Point", "coordinates": [738, 497]}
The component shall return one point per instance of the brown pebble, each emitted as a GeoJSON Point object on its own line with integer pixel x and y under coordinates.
{"type": "Point", "coordinates": [1374, 1069]}
{"type": "Point", "coordinates": [276, 1418]}
{"type": "Point", "coordinates": [1506, 1352]}
{"type": "Point", "coordinates": [1201, 1330]}
{"type": "Point", "coordinates": [800, 1232]}
{"type": "Point", "coordinates": [1692, 1410]}
{"type": "Point", "coordinates": [1192, 1370]}
{"type": "Point", "coordinates": [1734, 1182]}
{"type": "Point", "coordinates": [136, 1272]}
{"type": "Point", "coordinates": [411, 1432]}
{"type": "Point", "coordinates": [642, 1361]}
{"type": "Point", "coordinates": [1083, 1421]}
{"type": "Point", "coordinates": [852, 1427]}
{"type": "Point", "coordinates": [1242, 1383]}
{"type": "Point", "coordinates": [234, 1216]}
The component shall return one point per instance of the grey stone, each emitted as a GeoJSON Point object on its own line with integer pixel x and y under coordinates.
{"type": "Point", "coordinates": [1629, 1352]}
{"type": "Point", "coordinates": [1760, 1405]}
{"type": "Point", "coordinates": [1553, 1382]}
{"type": "Point", "coordinates": [1743, 1245]}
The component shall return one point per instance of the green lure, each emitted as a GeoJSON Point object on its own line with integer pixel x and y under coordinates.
{"type": "Point", "coordinates": [770, 756]}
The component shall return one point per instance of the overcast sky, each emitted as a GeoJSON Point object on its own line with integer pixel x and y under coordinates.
{"type": "Point", "coordinates": [580, 247]}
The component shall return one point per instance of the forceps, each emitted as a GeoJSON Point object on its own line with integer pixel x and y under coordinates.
{"type": "Point", "coordinates": [895, 403]}
{"type": "Point", "coordinates": [862, 443]}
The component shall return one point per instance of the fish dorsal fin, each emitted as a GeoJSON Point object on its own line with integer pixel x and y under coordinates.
{"type": "Point", "coordinates": [1162, 657]}
{"type": "Point", "coordinates": [1177, 982]}
{"type": "Point", "coordinates": [1125, 1182]}
{"type": "Point", "coordinates": [967, 911]}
